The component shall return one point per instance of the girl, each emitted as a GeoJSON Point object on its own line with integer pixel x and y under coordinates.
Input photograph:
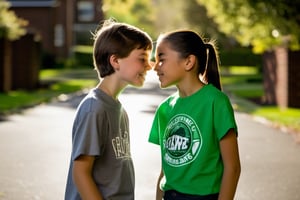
{"type": "Point", "coordinates": [195, 127]}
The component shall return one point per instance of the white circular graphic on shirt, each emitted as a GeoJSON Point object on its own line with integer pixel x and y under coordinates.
{"type": "Point", "coordinates": [182, 141]}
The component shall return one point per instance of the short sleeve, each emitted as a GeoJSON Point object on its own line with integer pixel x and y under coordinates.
{"type": "Point", "coordinates": [154, 131]}
{"type": "Point", "coordinates": [88, 137]}
{"type": "Point", "coordinates": [224, 119]}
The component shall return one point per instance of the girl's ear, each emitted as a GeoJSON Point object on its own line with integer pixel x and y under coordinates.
{"type": "Point", "coordinates": [114, 61]}
{"type": "Point", "coordinates": [190, 62]}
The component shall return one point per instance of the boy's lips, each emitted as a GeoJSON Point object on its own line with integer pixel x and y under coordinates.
{"type": "Point", "coordinates": [143, 74]}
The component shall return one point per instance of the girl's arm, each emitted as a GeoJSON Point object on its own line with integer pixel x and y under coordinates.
{"type": "Point", "coordinates": [232, 166]}
{"type": "Point", "coordinates": [82, 176]}
{"type": "Point", "coordinates": [159, 192]}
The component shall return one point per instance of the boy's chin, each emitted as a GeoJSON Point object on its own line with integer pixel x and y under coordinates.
{"type": "Point", "coordinates": [138, 85]}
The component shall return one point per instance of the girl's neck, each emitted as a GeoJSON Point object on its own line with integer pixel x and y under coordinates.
{"type": "Point", "coordinates": [189, 88]}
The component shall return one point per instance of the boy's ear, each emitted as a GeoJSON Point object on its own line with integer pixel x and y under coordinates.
{"type": "Point", "coordinates": [190, 62]}
{"type": "Point", "coordinates": [114, 61]}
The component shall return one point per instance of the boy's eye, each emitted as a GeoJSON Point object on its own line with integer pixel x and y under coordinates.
{"type": "Point", "coordinates": [144, 59]}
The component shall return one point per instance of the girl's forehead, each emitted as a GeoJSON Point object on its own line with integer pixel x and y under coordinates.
{"type": "Point", "coordinates": [163, 46]}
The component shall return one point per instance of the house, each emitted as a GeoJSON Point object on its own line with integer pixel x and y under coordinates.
{"type": "Point", "coordinates": [59, 24]}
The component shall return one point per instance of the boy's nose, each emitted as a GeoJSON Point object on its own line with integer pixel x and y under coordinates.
{"type": "Point", "coordinates": [150, 65]}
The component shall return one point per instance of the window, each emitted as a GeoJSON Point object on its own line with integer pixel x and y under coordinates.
{"type": "Point", "coordinates": [85, 10]}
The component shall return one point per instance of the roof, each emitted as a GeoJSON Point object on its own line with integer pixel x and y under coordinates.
{"type": "Point", "coordinates": [32, 3]}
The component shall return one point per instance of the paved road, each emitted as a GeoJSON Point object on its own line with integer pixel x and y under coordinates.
{"type": "Point", "coordinates": [35, 147]}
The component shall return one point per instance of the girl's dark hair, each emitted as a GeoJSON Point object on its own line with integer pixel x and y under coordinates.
{"type": "Point", "coordinates": [118, 39]}
{"type": "Point", "coordinates": [187, 42]}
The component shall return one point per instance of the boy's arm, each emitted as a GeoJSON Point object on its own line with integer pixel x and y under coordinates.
{"type": "Point", "coordinates": [232, 167]}
{"type": "Point", "coordinates": [159, 192]}
{"type": "Point", "coordinates": [82, 176]}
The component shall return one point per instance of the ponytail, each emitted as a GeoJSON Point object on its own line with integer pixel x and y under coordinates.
{"type": "Point", "coordinates": [211, 74]}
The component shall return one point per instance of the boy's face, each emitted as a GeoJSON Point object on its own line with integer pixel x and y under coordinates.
{"type": "Point", "coordinates": [134, 67]}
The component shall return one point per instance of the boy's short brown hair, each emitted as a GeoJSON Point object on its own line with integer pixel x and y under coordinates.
{"type": "Point", "coordinates": [118, 39]}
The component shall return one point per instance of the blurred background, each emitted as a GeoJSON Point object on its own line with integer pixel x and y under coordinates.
{"type": "Point", "coordinates": [46, 47]}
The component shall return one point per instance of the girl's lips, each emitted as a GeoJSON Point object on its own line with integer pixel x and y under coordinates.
{"type": "Point", "coordinates": [159, 74]}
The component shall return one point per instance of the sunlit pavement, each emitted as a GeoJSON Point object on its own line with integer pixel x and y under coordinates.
{"type": "Point", "coordinates": [35, 150]}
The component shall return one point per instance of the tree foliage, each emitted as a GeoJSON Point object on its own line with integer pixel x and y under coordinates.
{"type": "Point", "coordinates": [262, 24]}
{"type": "Point", "coordinates": [135, 12]}
{"type": "Point", "coordinates": [196, 16]}
{"type": "Point", "coordinates": [11, 27]}
{"type": "Point", "coordinates": [169, 15]}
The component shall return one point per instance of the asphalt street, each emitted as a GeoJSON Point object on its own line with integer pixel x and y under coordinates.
{"type": "Point", "coordinates": [35, 148]}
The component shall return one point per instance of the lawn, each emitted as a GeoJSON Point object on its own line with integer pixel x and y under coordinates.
{"type": "Point", "coordinates": [54, 83]}
{"type": "Point", "coordinates": [245, 84]}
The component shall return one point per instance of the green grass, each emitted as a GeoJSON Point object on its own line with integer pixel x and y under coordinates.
{"type": "Point", "coordinates": [283, 117]}
{"type": "Point", "coordinates": [239, 70]}
{"type": "Point", "coordinates": [16, 99]}
{"type": "Point", "coordinates": [83, 49]}
{"type": "Point", "coordinates": [58, 82]}
{"type": "Point", "coordinates": [245, 86]}
{"type": "Point", "coordinates": [67, 74]}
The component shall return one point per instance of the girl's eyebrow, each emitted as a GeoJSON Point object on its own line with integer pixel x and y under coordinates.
{"type": "Point", "coordinates": [160, 54]}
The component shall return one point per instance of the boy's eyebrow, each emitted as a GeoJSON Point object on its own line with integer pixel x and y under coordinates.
{"type": "Point", "coordinates": [144, 54]}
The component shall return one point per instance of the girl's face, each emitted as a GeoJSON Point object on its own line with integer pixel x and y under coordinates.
{"type": "Point", "coordinates": [134, 67]}
{"type": "Point", "coordinates": [169, 66]}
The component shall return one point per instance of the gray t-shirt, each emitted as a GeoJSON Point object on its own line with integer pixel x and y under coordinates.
{"type": "Point", "coordinates": [101, 129]}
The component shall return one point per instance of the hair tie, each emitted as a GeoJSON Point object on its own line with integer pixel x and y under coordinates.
{"type": "Point", "coordinates": [207, 45]}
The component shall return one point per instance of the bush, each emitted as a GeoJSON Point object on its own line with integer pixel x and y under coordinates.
{"type": "Point", "coordinates": [240, 57]}
{"type": "Point", "coordinates": [83, 56]}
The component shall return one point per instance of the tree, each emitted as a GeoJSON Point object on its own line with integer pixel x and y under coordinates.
{"type": "Point", "coordinates": [11, 27]}
{"type": "Point", "coordinates": [136, 12]}
{"type": "Point", "coordinates": [262, 24]}
{"type": "Point", "coordinates": [196, 16]}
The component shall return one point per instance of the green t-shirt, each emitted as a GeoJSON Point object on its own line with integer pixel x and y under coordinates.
{"type": "Point", "coordinates": [188, 131]}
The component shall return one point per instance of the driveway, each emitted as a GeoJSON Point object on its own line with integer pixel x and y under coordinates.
{"type": "Point", "coordinates": [35, 148]}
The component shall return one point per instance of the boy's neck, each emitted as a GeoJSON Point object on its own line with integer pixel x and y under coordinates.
{"type": "Point", "coordinates": [110, 87]}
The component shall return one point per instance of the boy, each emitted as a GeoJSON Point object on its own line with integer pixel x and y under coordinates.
{"type": "Point", "coordinates": [101, 166]}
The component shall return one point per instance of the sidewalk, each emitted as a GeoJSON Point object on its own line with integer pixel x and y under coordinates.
{"type": "Point", "coordinates": [35, 150]}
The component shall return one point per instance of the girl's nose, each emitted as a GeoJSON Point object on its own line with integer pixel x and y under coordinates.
{"type": "Point", "coordinates": [155, 66]}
